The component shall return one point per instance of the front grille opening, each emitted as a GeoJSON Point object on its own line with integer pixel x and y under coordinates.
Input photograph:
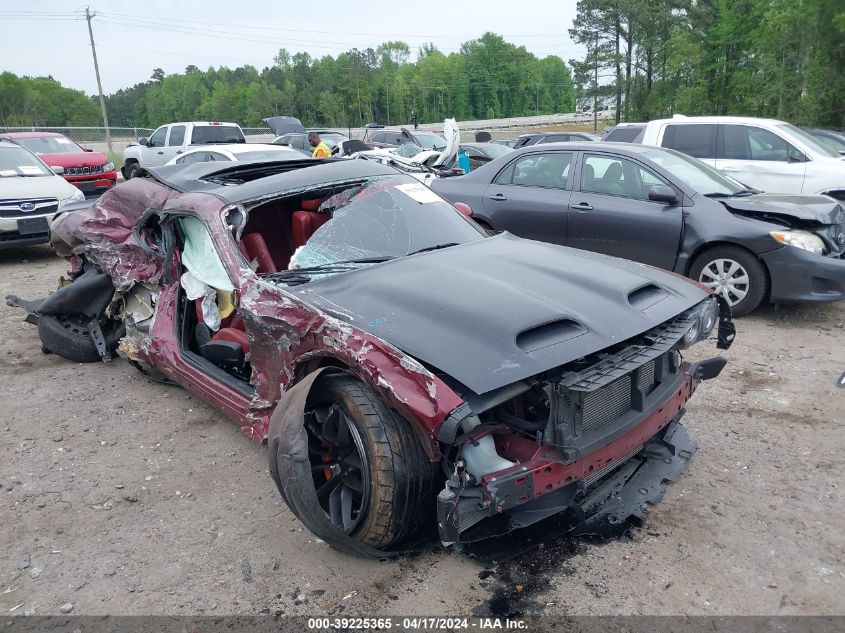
{"type": "Point", "coordinates": [606, 404]}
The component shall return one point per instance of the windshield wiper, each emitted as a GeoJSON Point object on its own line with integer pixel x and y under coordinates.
{"type": "Point", "coordinates": [432, 248]}
{"type": "Point", "coordinates": [737, 194]}
{"type": "Point", "coordinates": [328, 267]}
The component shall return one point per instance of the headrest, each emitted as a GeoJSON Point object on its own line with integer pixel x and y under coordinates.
{"type": "Point", "coordinates": [312, 205]}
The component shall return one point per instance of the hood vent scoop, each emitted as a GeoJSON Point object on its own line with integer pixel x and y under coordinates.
{"type": "Point", "coordinates": [548, 334]}
{"type": "Point", "coordinates": [646, 296]}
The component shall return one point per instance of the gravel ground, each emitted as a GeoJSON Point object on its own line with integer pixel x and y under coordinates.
{"type": "Point", "coordinates": [123, 496]}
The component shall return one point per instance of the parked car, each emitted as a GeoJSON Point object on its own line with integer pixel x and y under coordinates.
{"type": "Point", "coordinates": [31, 193]}
{"type": "Point", "coordinates": [663, 208]}
{"type": "Point", "coordinates": [553, 137]}
{"type": "Point", "coordinates": [482, 153]}
{"type": "Point", "coordinates": [249, 152]}
{"type": "Point", "coordinates": [830, 138]}
{"type": "Point", "coordinates": [377, 339]}
{"type": "Point", "coordinates": [765, 154]}
{"type": "Point", "coordinates": [380, 138]}
{"type": "Point", "coordinates": [89, 171]}
{"type": "Point", "coordinates": [509, 142]}
{"type": "Point", "coordinates": [625, 133]}
{"type": "Point", "coordinates": [173, 139]}
{"type": "Point", "coordinates": [299, 140]}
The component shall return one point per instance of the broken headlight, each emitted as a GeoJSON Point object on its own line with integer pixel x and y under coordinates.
{"type": "Point", "coordinates": [800, 239]}
{"type": "Point", "coordinates": [704, 318]}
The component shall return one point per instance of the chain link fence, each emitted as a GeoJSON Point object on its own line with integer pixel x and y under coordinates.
{"type": "Point", "coordinates": [95, 137]}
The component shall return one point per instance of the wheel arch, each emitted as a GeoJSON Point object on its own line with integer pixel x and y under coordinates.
{"type": "Point", "coordinates": [326, 363]}
{"type": "Point", "coordinates": [717, 243]}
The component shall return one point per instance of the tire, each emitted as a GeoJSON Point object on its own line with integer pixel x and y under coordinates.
{"type": "Point", "coordinates": [68, 336]}
{"type": "Point", "coordinates": [131, 170]}
{"type": "Point", "coordinates": [396, 497]}
{"type": "Point", "coordinates": [734, 273]}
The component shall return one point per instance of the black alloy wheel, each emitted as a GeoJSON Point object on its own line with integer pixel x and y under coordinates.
{"type": "Point", "coordinates": [339, 465]}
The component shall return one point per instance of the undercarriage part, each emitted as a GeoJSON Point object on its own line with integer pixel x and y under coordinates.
{"type": "Point", "coordinates": [619, 493]}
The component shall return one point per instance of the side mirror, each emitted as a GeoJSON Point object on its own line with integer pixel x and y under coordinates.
{"type": "Point", "coordinates": [463, 208]}
{"type": "Point", "coordinates": [662, 193]}
{"type": "Point", "coordinates": [57, 169]}
{"type": "Point", "coordinates": [144, 141]}
{"type": "Point", "coordinates": [795, 156]}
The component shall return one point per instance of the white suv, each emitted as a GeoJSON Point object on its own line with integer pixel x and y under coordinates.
{"type": "Point", "coordinates": [30, 195]}
{"type": "Point", "coordinates": [765, 154]}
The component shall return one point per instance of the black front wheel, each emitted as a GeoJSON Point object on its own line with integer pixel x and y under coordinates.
{"type": "Point", "coordinates": [131, 169]}
{"type": "Point", "coordinates": [69, 336]}
{"type": "Point", "coordinates": [373, 480]}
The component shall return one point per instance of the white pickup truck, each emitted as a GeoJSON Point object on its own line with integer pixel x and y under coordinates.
{"type": "Point", "coordinates": [173, 139]}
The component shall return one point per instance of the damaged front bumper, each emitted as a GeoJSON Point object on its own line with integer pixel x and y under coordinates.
{"type": "Point", "coordinates": [610, 485]}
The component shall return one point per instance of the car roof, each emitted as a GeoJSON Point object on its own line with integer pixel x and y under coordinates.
{"type": "Point", "coordinates": [680, 118]}
{"type": "Point", "coordinates": [243, 181]}
{"type": "Point", "coordinates": [214, 123]}
{"type": "Point", "coordinates": [481, 144]}
{"type": "Point", "coordinates": [589, 146]}
{"type": "Point", "coordinates": [240, 148]}
{"type": "Point", "coordinates": [14, 135]}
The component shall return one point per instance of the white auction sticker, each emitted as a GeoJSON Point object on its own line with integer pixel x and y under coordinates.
{"type": "Point", "coordinates": [418, 192]}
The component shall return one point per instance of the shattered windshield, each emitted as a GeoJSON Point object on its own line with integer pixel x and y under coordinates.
{"type": "Point", "coordinates": [383, 219]}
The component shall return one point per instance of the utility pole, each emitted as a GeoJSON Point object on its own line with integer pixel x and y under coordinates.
{"type": "Point", "coordinates": [538, 98]}
{"type": "Point", "coordinates": [88, 16]}
{"type": "Point", "coordinates": [387, 88]}
{"type": "Point", "coordinates": [596, 84]}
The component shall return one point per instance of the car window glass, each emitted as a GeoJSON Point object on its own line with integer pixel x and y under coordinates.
{"type": "Point", "coordinates": [385, 217]}
{"type": "Point", "coordinates": [472, 152]}
{"type": "Point", "coordinates": [217, 156]}
{"type": "Point", "coordinates": [542, 170]}
{"type": "Point", "coordinates": [206, 134]}
{"type": "Point", "coordinates": [193, 157]}
{"type": "Point", "coordinates": [49, 144]}
{"type": "Point", "coordinates": [743, 142]}
{"type": "Point", "coordinates": [617, 177]}
{"type": "Point", "coordinates": [157, 139]}
{"type": "Point", "coordinates": [505, 176]}
{"type": "Point", "coordinates": [177, 135]}
{"type": "Point", "coordinates": [625, 134]}
{"type": "Point", "coordinates": [695, 140]}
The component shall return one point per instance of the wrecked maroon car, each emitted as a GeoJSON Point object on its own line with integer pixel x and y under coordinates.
{"type": "Point", "coordinates": [401, 363]}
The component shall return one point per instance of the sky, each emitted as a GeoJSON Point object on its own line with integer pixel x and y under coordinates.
{"type": "Point", "coordinates": [50, 37]}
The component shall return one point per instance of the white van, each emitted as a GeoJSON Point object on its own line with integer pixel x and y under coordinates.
{"type": "Point", "coordinates": [765, 154]}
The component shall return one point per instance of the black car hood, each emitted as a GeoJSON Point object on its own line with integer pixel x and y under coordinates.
{"type": "Point", "coordinates": [472, 311]}
{"type": "Point", "coordinates": [821, 209]}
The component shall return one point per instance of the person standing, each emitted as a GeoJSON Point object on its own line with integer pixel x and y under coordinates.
{"type": "Point", "coordinates": [321, 150]}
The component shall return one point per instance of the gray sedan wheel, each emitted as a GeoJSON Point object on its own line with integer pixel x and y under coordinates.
{"type": "Point", "coordinates": [733, 273]}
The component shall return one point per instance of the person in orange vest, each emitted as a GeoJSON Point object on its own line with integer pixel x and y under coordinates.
{"type": "Point", "coordinates": [321, 150]}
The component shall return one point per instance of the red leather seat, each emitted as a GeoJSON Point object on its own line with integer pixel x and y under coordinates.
{"type": "Point", "coordinates": [255, 248]}
{"type": "Point", "coordinates": [306, 221]}
{"type": "Point", "coordinates": [233, 335]}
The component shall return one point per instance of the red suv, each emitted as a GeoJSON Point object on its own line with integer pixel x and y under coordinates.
{"type": "Point", "coordinates": [87, 170]}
